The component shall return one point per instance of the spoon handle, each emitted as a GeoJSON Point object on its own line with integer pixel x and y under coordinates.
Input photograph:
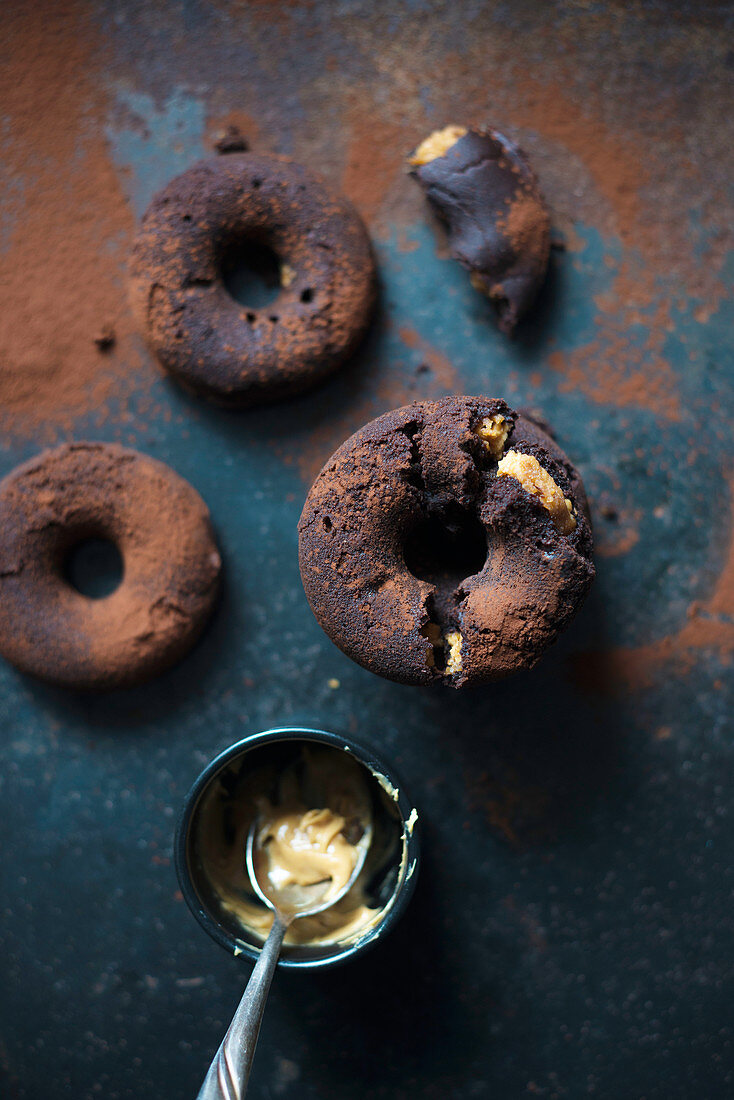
{"type": "Point", "coordinates": [230, 1069]}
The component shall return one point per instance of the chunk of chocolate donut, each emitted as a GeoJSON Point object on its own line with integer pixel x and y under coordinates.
{"type": "Point", "coordinates": [446, 541]}
{"type": "Point", "coordinates": [482, 187]}
{"type": "Point", "coordinates": [171, 565]}
{"type": "Point", "coordinates": [230, 353]}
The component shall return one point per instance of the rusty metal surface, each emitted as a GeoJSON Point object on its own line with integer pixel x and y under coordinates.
{"type": "Point", "coordinates": [572, 931]}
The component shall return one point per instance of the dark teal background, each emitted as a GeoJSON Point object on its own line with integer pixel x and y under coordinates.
{"type": "Point", "coordinates": [572, 931]}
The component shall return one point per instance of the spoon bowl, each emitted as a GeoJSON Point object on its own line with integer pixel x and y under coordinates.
{"type": "Point", "coordinates": [302, 901]}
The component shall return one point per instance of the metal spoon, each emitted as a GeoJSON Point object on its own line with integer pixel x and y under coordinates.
{"type": "Point", "coordinates": [230, 1069]}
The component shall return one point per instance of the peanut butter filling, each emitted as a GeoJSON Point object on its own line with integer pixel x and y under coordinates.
{"type": "Point", "coordinates": [287, 275]}
{"type": "Point", "coordinates": [535, 480]}
{"type": "Point", "coordinates": [493, 432]}
{"type": "Point", "coordinates": [448, 647]}
{"type": "Point", "coordinates": [436, 145]}
{"type": "Point", "coordinates": [453, 660]}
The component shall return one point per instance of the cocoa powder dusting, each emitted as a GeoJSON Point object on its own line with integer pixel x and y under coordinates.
{"type": "Point", "coordinates": [372, 167]}
{"type": "Point", "coordinates": [161, 528]}
{"type": "Point", "coordinates": [523, 226]}
{"type": "Point", "coordinates": [439, 364]}
{"type": "Point", "coordinates": [68, 224]}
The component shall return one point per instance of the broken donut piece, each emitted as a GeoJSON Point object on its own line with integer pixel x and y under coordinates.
{"type": "Point", "coordinates": [446, 541]}
{"type": "Point", "coordinates": [482, 187]}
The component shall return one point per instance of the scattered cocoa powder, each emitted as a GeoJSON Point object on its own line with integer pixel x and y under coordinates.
{"type": "Point", "coordinates": [384, 388]}
{"type": "Point", "coordinates": [372, 166]}
{"type": "Point", "coordinates": [709, 626]}
{"type": "Point", "coordinates": [438, 363]}
{"type": "Point", "coordinates": [624, 165]}
{"type": "Point", "coordinates": [62, 272]}
{"type": "Point", "coordinates": [524, 224]}
{"type": "Point", "coordinates": [515, 807]}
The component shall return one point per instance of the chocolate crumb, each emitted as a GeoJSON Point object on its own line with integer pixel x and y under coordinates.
{"type": "Point", "coordinates": [232, 141]}
{"type": "Point", "coordinates": [105, 338]}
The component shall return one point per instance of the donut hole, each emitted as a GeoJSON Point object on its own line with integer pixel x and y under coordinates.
{"type": "Point", "coordinates": [251, 273]}
{"type": "Point", "coordinates": [94, 567]}
{"type": "Point", "coordinates": [444, 548]}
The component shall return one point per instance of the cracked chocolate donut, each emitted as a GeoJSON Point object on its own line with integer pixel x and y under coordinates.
{"type": "Point", "coordinates": [446, 541]}
{"type": "Point", "coordinates": [192, 231]}
{"type": "Point", "coordinates": [171, 565]}
{"type": "Point", "coordinates": [482, 187]}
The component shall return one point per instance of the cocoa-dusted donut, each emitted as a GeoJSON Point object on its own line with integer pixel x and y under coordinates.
{"type": "Point", "coordinates": [446, 541]}
{"type": "Point", "coordinates": [482, 187]}
{"type": "Point", "coordinates": [220, 349]}
{"type": "Point", "coordinates": [161, 527]}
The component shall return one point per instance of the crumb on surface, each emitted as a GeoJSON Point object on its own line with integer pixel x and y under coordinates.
{"type": "Point", "coordinates": [492, 290]}
{"type": "Point", "coordinates": [493, 432]}
{"type": "Point", "coordinates": [535, 480]}
{"type": "Point", "coordinates": [231, 140]}
{"type": "Point", "coordinates": [481, 283]}
{"type": "Point", "coordinates": [453, 659]}
{"type": "Point", "coordinates": [105, 338]}
{"type": "Point", "coordinates": [287, 275]}
{"type": "Point", "coordinates": [436, 145]}
{"type": "Point", "coordinates": [333, 683]}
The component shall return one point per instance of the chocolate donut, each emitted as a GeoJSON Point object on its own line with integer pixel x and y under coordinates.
{"type": "Point", "coordinates": [161, 528]}
{"type": "Point", "coordinates": [446, 541]}
{"type": "Point", "coordinates": [481, 186]}
{"type": "Point", "coordinates": [216, 347]}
